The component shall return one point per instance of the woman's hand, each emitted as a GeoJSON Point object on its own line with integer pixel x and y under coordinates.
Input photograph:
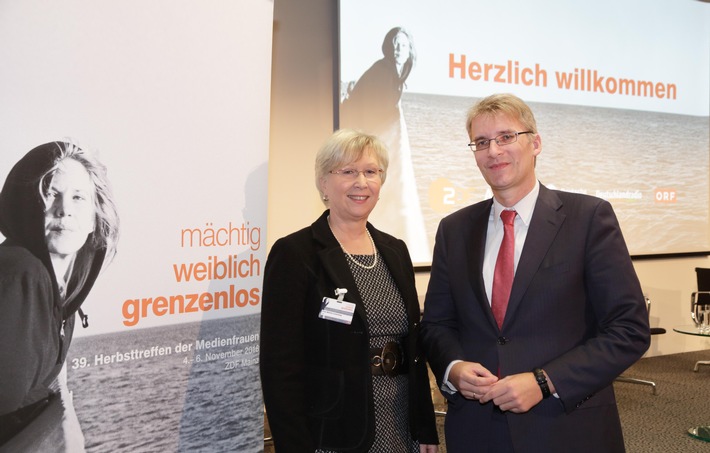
{"type": "Point", "coordinates": [428, 448]}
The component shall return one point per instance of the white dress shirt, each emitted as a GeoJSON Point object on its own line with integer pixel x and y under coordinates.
{"type": "Point", "coordinates": [494, 237]}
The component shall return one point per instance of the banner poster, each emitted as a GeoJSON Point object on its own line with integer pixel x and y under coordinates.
{"type": "Point", "coordinates": [172, 98]}
{"type": "Point", "coordinates": [614, 86]}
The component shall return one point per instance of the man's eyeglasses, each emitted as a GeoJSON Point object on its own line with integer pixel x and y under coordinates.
{"type": "Point", "coordinates": [371, 174]}
{"type": "Point", "coordinates": [503, 139]}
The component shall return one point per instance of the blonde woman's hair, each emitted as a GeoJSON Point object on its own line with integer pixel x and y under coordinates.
{"type": "Point", "coordinates": [346, 146]}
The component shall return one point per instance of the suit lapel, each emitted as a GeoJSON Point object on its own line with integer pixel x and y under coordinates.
{"type": "Point", "coordinates": [335, 265]}
{"type": "Point", "coordinates": [475, 243]}
{"type": "Point", "coordinates": [546, 221]}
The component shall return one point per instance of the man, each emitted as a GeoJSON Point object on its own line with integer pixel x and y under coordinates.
{"type": "Point", "coordinates": [529, 368]}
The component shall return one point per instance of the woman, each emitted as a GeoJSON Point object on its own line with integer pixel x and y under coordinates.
{"type": "Point", "coordinates": [61, 226]}
{"type": "Point", "coordinates": [373, 102]}
{"type": "Point", "coordinates": [344, 376]}
{"type": "Point", "coordinates": [374, 106]}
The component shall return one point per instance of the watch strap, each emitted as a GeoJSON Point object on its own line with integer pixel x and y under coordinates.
{"type": "Point", "coordinates": [542, 382]}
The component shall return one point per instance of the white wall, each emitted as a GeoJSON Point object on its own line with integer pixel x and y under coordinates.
{"type": "Point", "coordinates": [305, 42]}
{"type": "Point", "coordinates": [669, 283]}
{"type": "Point", "coordinates": [301, 110]}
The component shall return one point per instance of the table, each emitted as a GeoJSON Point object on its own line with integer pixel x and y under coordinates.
{"type": "Point", "coordinates": [699, 432]}
{"type": "Point", "coordinates": [693, 330]}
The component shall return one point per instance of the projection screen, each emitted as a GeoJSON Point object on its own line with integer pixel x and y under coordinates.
{"type": "Point", "coordinates": [620, 90]}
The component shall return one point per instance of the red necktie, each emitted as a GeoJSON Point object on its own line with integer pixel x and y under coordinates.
{"type": "Point", "coordinates": [505, 269]}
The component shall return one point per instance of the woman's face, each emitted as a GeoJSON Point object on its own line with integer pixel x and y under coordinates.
{"type": "Point", "coordinates": [69, 214]}
{"type": "Point", "coordinates": [401, 48]}
{"type": "Point", "coordinates": [353, 199]}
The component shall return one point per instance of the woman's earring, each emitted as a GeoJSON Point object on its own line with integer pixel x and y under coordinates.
{"type": "Point", "coordinates": [325, 197]}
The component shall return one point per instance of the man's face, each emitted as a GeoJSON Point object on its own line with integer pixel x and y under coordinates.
{"type": "Point", "coordinates": [508, 169]}
{"type": "Point", "coordinates": [69, 214]}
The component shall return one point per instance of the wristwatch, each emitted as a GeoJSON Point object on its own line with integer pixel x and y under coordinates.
{"type": "Point", "coordinates": [542, 382]}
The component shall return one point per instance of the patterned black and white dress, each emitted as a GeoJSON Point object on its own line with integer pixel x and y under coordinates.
{"type": "Point", "coordinates": [386, 321]}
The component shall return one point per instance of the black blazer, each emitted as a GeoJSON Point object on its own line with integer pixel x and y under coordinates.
{"type": "Point", "coordinates": [576, 309]}
{"type": "Point", "coordinates": [315, 373]}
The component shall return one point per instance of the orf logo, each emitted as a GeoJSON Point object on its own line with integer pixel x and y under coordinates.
{"type": "Point", "coordinates": [665, 195]}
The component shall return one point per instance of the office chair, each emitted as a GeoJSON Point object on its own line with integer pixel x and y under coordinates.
{"type": "Point", "coordinates": [632, 380]}
{"type": "Point", "coordinates": [699, 298]}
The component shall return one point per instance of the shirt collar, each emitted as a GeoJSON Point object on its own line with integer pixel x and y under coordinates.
{"type": "Point", "coordinates": [524, 207]}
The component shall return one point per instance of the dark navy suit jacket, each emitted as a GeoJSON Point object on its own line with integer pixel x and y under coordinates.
{"type": "Point", "coordinates": [576, 309]}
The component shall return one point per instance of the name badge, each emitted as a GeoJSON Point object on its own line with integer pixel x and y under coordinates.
{"type": "Point", "coordinates": [337, 310]}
